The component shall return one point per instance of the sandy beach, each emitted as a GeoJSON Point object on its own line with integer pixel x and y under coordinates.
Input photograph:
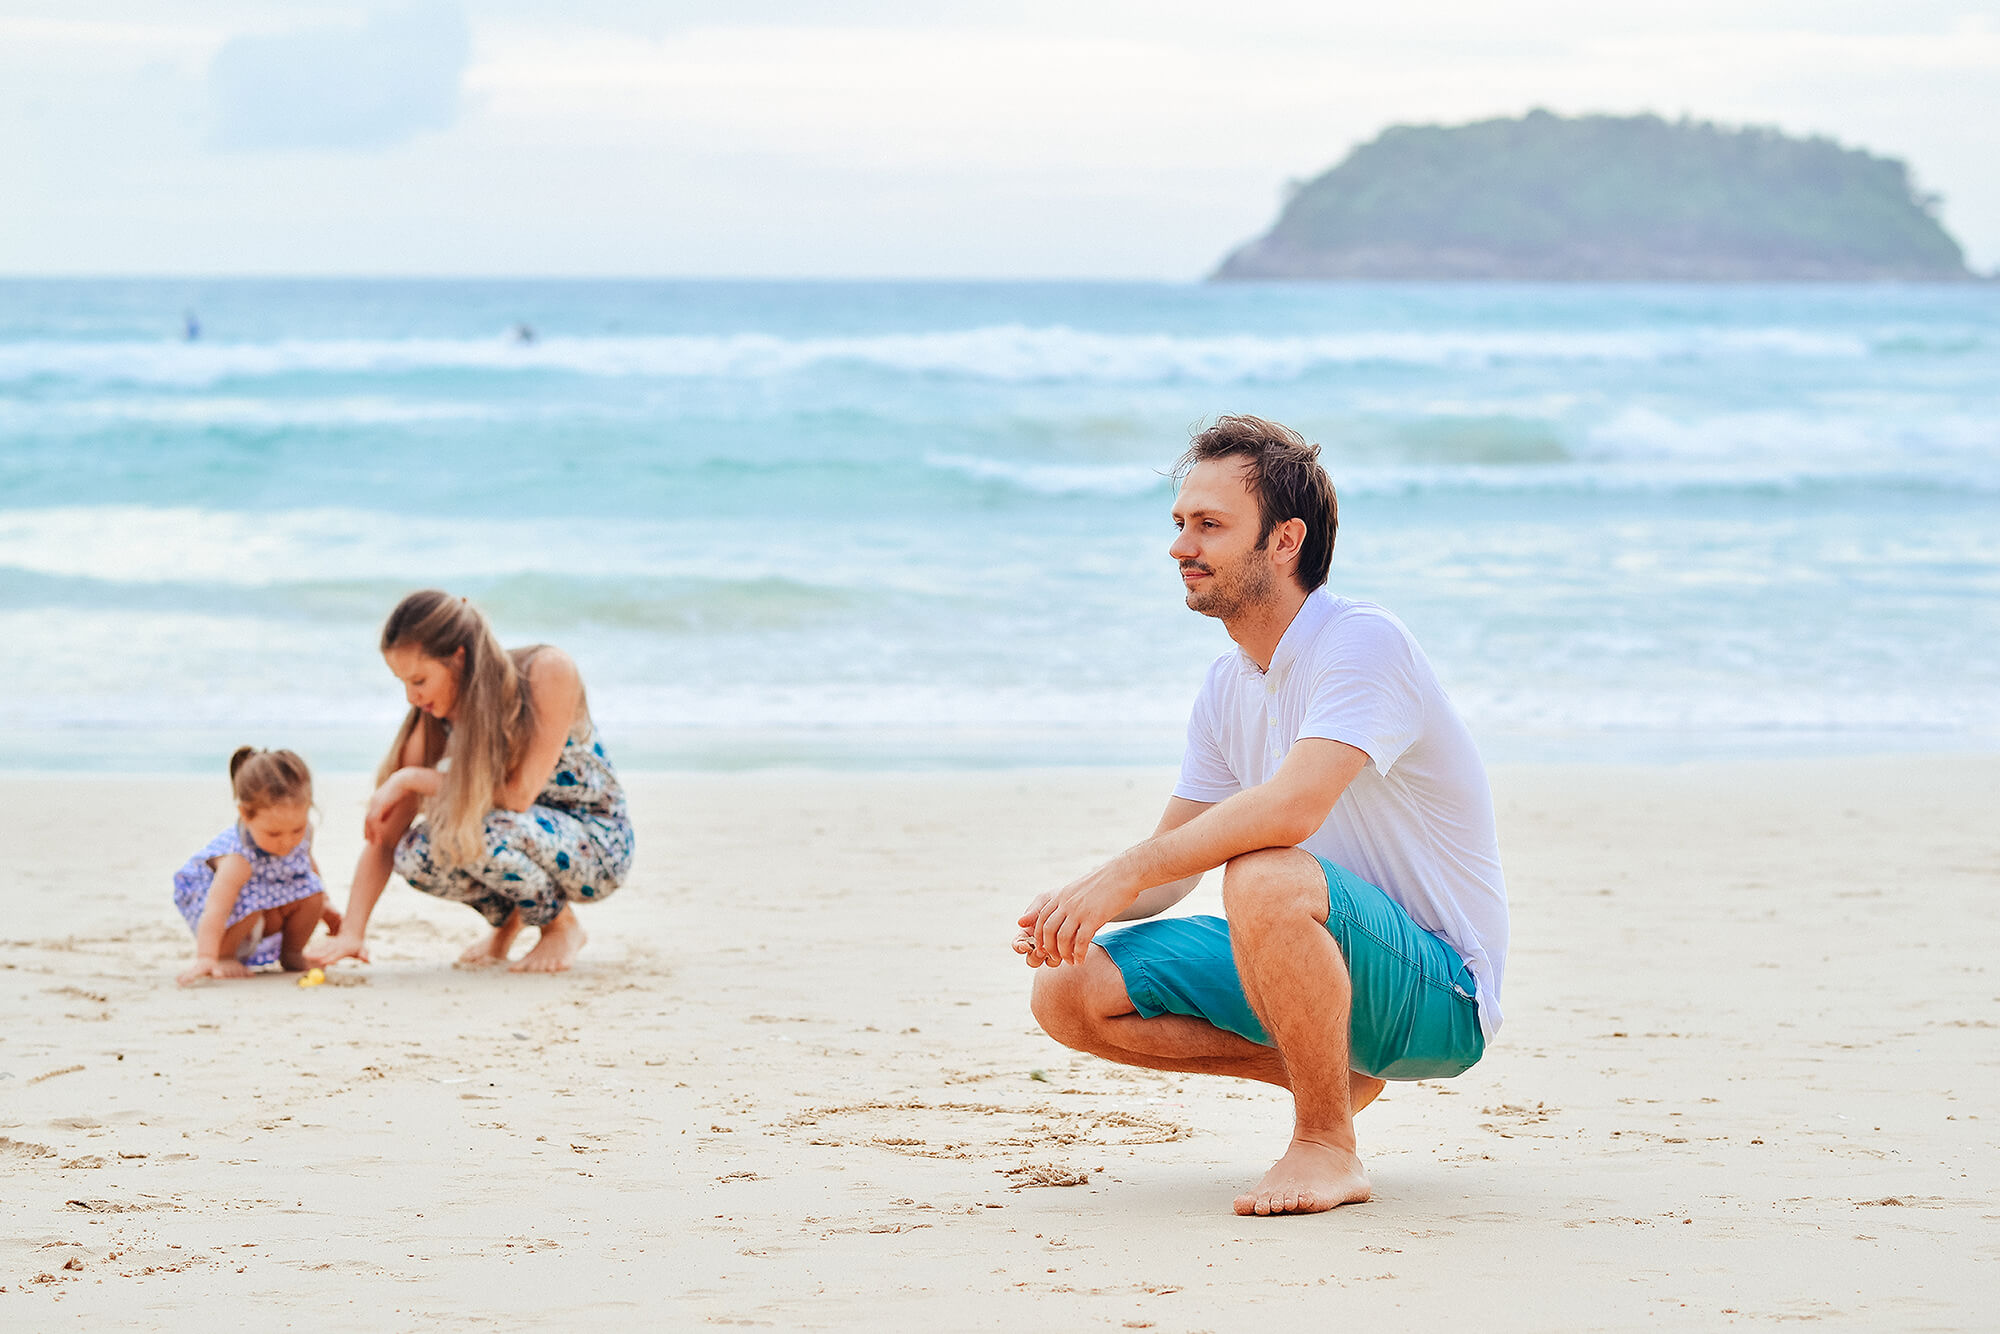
{"type": "Point", "coordinates": [1747, 1077]}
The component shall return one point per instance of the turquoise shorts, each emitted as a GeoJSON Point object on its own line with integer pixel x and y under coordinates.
{"type": "Point", "coordinates": [1415, 1013]}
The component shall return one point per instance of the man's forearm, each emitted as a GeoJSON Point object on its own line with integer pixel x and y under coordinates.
{"type": "Point", "coordinates": [1146, 878]}
{"type": "Point", "coordinates": [1254, 819]}
{"type": "Point", "coordinates": [1152, 902]}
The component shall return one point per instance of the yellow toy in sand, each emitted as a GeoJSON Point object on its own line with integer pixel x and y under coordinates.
{"type": "Point", "coordinates": [313, 978]}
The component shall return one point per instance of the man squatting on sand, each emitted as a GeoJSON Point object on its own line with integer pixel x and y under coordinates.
{"type": "Point", "coordinates": [1329, 776]}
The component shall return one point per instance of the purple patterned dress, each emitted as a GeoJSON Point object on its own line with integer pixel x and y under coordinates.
{"type": "Point", "coordinates": [274, 882]}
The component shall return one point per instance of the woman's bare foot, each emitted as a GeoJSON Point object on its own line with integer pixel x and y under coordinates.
{"type": "Point", "coordinates": [558, 947]}
{"type": "Point", "coordinates": [1311, 1178]}
{"type": "Point", "coordinates": [493, 949]}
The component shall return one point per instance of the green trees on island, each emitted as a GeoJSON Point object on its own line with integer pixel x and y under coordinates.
{"type": "Point", "coordinates": [1604, 197]}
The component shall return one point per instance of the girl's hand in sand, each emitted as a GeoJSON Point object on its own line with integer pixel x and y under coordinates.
{"type": "Point", "coordinates": [218, 968]}
{"type": "Point", "coordinates": [335, 948]}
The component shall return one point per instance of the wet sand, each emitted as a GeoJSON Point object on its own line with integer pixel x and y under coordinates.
{"type": "Point", "coordinates": [1748, 1077]}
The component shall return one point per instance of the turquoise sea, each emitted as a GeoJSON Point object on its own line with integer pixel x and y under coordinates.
{"type": "Point", "coordinates": [926, 523]}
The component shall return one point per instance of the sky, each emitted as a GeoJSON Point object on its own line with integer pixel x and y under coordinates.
{"type": "Point", "coordinates": [1087, 138]}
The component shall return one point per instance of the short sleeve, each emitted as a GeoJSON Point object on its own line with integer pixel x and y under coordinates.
{"type": "Point", "coordinates": [1205, 772]}
{"type": "Point", "coordinates": [1364, 690]}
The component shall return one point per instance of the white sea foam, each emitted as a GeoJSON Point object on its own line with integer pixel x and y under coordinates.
{"type": "Point", "coordinates": [250, 549]}
{"type": "Point", "coordinates": [142, 545]}
{"type": "Point", "coordinates": [1707, 469]}
{"type": "Point", "coordinates": [1054, 479]}
{"type": "Point", "coordinates": [1638, 528]}
{"type": "Point", "coordinates": [1873, 437]}
{"type": "Point", "coordinates": [216, 672]}
{"type": "Point", "coordinates": [218, 410]}
{"type": "Point", "coordinates": [1012, 353]}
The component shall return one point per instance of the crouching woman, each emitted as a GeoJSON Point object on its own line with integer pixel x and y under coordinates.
{"type": "Point", "coordinates": [496, 794]}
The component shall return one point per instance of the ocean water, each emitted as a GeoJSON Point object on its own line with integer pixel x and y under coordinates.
{"type": "Point", "coordinates": [926, 523]}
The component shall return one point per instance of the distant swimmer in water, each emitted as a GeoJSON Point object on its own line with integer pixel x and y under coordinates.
{"type": "Point", "coordinates": [190, 327]}
{"type": "Point", "coordinates": [524, 333]}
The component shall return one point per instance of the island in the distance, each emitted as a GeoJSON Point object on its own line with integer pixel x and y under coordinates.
{"type": "Point", "coordinates": [1620, 198]}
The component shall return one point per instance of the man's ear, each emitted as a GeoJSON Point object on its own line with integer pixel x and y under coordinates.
{"type": "Point", "coordinates": [1286, 540]}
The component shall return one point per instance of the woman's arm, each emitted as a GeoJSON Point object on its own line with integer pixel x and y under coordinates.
{"type": "Point", "coordinates": [557, 692]}
{"type": "Point", "coordinates": [396, 803]}
{"type": "Point", "coordinates": [232, 872]}
{"type": "Point", "coordinates": [390, 812]}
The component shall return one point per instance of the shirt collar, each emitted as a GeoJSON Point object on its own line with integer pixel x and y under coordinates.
{"type": "Point", "coordinates": [1312, 614]}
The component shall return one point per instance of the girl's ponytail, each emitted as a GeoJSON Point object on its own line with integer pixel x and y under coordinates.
{"type": "Point", "coordinates": [265, 778]}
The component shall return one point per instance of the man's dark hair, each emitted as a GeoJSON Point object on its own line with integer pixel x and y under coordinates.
{"type": "Point", "coordinates": [1284, 473]}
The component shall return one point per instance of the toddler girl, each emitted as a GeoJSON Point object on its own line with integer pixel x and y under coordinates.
{"type": "Point", "coordinates": [254, 893]}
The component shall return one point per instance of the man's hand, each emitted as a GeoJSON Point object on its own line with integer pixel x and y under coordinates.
{"type": "Point", "coordinates": [1059, 926]}
{"type": "Point", "coordinates": [1024, 945]}
{"type": "Point", "coordinates": [1115, 892]}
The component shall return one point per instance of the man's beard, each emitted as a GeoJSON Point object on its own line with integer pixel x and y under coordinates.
{"type": "Point", "coordinates": [1227, 596]}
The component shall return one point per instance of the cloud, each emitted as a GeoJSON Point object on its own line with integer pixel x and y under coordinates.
{"type": "Point", "coordinates": [342, 88]}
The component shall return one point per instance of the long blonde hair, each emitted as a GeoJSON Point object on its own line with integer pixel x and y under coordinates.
{"type": "Point", "coordinates": [495, 716]}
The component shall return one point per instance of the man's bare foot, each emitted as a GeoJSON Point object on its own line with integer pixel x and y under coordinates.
{"type": "Point", "coordinates": [557, 949]}
{"type": "Point", "coordinates": [1310, 1179]}
{"type": "Point", "coordinates": [493, 949]}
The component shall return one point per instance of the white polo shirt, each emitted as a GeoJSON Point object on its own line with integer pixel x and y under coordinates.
{"type": "Point", "coordinates": [1418, 822]}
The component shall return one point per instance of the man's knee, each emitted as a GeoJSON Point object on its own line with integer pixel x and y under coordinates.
{"type": "Point", "coordinates": [1272, 886]}
{"type": "Point", "coordinates": [1070, 1002]}
{"type": "Point", "coordinates": [1057, 1002]}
